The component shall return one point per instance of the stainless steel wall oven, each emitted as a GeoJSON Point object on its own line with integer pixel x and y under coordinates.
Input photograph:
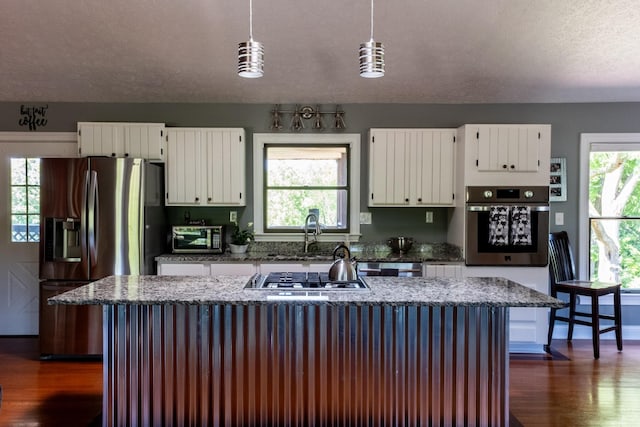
{"type": "Point", "coordinates": [507, 226]}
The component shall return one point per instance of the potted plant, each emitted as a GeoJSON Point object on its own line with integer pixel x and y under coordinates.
{"type": "Point", "coordinates": [240, 239]}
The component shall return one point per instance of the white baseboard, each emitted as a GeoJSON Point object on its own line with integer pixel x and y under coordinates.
{"type": "Point", "coordinates": [631, 332]}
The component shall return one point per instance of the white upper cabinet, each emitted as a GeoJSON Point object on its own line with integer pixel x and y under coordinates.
{"type": "Point", "coordinates": [492, 151]}
{"type": "Point", "coordinates": [411, 167]}
{"type": "Point", "coordinates": [135, 140]}
{"type": "Point", "coordinates": [205, 167]}
{"type": "Point", "coordinates": [184, 166]}
{"type": "Point", "coordinates": [508, 148]}
{"type": "Point", "coordinates": [225, 167]}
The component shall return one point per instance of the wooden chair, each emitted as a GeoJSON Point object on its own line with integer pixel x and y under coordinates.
{"type": "Point", "coordinates": [563, 280]}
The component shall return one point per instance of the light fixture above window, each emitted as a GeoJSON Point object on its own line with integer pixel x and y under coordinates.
{"type": "Point", "coordinates": [371, 56]}
{"type": "Point", "coordinates": [300, 114]}
{"type": "Point", "coordinates": [250, 53]}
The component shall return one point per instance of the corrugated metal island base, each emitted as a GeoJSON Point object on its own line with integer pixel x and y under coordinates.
{"type": "Point", "coordinates": [199, 351]}
{"type": "Point", "coordinates": [281, 365]}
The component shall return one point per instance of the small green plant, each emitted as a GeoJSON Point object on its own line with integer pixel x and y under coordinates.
{"type": "Point", "coordinates": [242, 236]}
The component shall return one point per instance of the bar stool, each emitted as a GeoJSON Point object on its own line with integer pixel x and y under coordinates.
{"type": "Point", "coordinates": [563, 280]}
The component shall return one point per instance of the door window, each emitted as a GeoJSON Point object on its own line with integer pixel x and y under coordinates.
{"type": "Point", "coordinates": [25, 199]}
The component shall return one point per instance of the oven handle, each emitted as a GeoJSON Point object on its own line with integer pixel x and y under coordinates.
{"type": "Point", "coordinates": [484, 208]}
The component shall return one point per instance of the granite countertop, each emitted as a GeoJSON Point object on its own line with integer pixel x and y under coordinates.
{"type": "Point", "coordinates": [440, 291]}
{"type": "Point", "coordinates": [266, 252]}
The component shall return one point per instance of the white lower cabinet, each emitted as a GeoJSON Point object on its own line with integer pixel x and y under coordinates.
{"type": "Point", "coordinates": [319, 267]}
{"type": "Point", "coordinates": [442, 270]}
{"type": "Point", "coordinates": [233, 269]}
{"type": "Point", "coordinates": [184, 269]}
{"type": "Point", "coordinates": [276, 267]}
{"type": "Point", "coordinates": [266, 268]}
{"type": "Point", "coordinates": [237, 268]}
{"type": "Point", "coordinates": [527, 325]}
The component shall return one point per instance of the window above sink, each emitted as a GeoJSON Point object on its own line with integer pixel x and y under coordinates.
{"type": "Point", "coordinates": [286, 189]}
{"type": "Point", "coordinates": [299, 179]}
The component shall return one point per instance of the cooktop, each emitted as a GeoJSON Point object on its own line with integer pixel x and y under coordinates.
{"type": "Point", "coordinates": [303, 281]}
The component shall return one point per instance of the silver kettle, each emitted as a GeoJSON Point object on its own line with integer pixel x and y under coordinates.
{"type": "Point", "coordinates": [343, 268]}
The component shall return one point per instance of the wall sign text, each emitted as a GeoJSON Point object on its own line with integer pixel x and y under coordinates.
{"type": "Point", "coordinates": [33, 117]}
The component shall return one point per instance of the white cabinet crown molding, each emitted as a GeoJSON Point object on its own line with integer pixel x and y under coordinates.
{"type": "Point", "coordinates": [38, 136]}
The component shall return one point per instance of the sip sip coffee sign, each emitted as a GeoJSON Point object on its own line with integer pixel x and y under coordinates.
{"type": "Point", "coordinates": [33, 117]}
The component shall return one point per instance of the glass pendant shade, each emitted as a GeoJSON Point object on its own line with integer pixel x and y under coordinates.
{"type": "Point", "coordinates": [371, 59]}
{"type": "Point", "coordinates": [250, 59]}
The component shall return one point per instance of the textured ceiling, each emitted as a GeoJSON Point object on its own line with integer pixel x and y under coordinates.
{"type": "Point", "coordinates": [438, 51]}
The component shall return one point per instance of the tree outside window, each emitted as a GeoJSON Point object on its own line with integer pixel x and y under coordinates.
{"type": "Point", "coordinates": [302, 179]}
{"type": "Point", "coordinates": [25, 200]}
{"type": "Point", "coordinates": [614, 217]}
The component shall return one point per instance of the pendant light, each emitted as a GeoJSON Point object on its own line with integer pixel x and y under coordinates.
{"type": "Point", "coordinates": [250, 53]}
{"type": "Point", "coordinates": [371, 56]}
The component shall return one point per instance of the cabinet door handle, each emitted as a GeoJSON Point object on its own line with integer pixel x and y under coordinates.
{"type": "Point", "coordinates": [126, 154]}
{"type": "Point", "coordinates": [419, 199]}
{"type": "Point", "coordinates": [504, 166]}
{"type": "Point", "coordinates": [406, 200]}
{"type": "Point", "coordinates": [513, 166]}
{"type": "Point", "coordinates": [197, 199]}
{"type": "Point", "coordinates": [113, 154]}
{"type": "Point", "coordinates": [208, 199]}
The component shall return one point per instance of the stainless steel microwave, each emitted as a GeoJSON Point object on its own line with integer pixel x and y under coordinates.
{"type": "Point", "coordinates": [201, 239]}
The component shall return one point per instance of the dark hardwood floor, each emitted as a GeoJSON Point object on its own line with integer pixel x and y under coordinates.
{"type": "Point", "coordinates": [571, 389]}
{"type": "Point", "coordinates": [581, 391]}
{"type": "Point", "coordinates": [47, 393]}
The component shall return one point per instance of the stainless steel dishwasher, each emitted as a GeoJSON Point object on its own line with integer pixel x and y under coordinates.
{"type": "Point", "coordinates": [394, 269]}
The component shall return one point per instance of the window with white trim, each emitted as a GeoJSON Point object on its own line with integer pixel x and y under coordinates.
{"type": "Point", "coordinates": [610, 211]}
{"type": "Point", "coordinates": [298, 174]}
{"type": "Point", "coordinates": [25, 200]}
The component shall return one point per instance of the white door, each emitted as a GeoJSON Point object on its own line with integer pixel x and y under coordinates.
{"type": "Point", "coordinates": [19, 261]}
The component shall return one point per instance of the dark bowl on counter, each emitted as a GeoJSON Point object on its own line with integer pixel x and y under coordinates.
{"type": "Point", "coordinates": [400, 244]}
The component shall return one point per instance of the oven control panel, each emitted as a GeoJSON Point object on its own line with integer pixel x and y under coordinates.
{"type": "Point", "coordinates": [534, 194]}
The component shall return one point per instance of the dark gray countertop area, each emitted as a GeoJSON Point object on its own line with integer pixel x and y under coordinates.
{"type": "Point", "coordinates": [370, 252]}
{"type": "Point", "coordinates": [394, 291]}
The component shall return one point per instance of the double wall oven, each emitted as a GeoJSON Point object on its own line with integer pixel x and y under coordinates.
{"type": "Point", "coordinates": [507, 226]}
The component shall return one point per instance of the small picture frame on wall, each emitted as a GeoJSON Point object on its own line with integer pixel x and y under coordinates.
{"type": "Point", "coordinates": [558, 180]}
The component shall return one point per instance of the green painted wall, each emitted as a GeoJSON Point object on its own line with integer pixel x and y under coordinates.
{"type": "Point", "coordinates": [567, 120]}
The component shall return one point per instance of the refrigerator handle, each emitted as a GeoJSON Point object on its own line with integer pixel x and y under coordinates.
{"type": "Point", "coordinates": [92, 216]}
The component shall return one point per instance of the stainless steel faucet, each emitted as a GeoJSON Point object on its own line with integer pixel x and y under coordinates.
{"type": "Point", "coordinates": [315, 233]}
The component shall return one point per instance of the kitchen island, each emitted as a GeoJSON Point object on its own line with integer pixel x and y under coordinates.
{"type": "Point", "coordinates": [205, 351]}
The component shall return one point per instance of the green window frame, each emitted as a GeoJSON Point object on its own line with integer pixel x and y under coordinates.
{"type": "Point", "coordinates": [299, 179]}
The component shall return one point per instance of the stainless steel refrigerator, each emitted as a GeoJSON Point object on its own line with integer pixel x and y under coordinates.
{"type": "Point", "coordinates": [98, 217]}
